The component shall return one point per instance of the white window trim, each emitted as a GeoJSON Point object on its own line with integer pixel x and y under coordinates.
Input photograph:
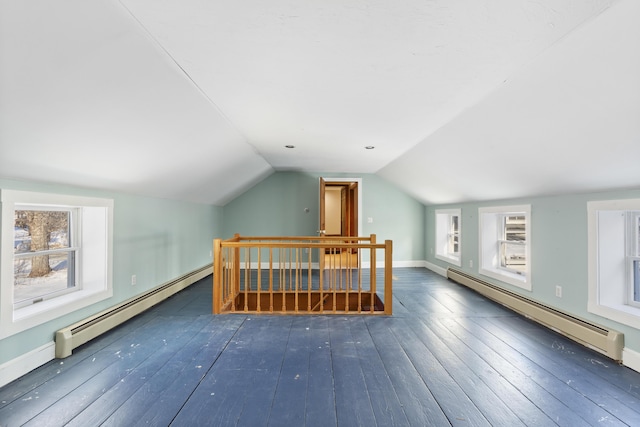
{"type": "Point", "coordinates": [74, 216]}
{"type": "Point", "coordinates": [488, 247]}
{"type": "Point", "coordinates": [605, 252]}
{"type": "Point", "coordinates": [97, 246]}
{"type": "Point", "coordinates": [441, 236]}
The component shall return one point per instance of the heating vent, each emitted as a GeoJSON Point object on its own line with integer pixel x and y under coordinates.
{"type": "Point", "coordinates": [81, 332]}
{"type": "Point", "coordinates": [597, 337]}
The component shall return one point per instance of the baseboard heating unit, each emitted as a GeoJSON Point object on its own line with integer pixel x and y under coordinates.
{"type": "Point", "coordinates": [599, 338]}
{"type": "Point", "coordinates": [81, 332]}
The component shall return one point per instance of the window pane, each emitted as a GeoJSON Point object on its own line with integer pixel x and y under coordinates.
{"type": "Point", "coordinates": [29, 285]}
{"type": "Point", "coordinates": [513, 256]}
{"type": "Point", "coordinates": [636, 280]}
{"type": "Point", "coordinates": [637, 236]}
{"type": "Point", "coordinates": [514, 228]}
{"type": "Point", "coordinates": [38, 230]}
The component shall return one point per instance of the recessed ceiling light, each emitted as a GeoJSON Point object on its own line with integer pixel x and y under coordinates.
{"type": "Point", "coordinates": [369, 147]}
{"type": "Point", "coordinates": [289, 146]}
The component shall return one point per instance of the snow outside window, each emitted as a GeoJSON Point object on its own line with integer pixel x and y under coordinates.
{"type": "Point", "coordinates": [56, 256]}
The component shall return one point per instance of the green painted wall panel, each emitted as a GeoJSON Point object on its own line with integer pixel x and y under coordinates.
{"type": "Point", "coordinates": [157, 240]}
{"type": "Point", "coordinates": [558, 250]}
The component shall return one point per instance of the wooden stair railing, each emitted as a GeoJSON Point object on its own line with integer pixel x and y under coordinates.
{"type": "Point", "coordinates": [302, 275]}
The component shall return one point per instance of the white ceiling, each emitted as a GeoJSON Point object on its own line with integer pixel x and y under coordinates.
{"type": "Point", "coordinates": [195, 100]}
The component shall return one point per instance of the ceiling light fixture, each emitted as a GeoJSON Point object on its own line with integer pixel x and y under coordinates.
{"type": "Point", "coordinates": [289, 146]}
{"type": "Point", "coordinates": [369, 147]}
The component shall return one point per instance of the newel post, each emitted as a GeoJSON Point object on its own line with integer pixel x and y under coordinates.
{"type": "Point", "coordinates": [217, 276]}
{"type": "Point", "coordinates": [388, 277]}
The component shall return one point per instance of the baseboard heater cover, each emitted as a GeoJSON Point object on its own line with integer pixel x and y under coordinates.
{"type": "Point", "coordinates": [597, 337]}
{"type": "Point", "coordinates": [87, 329]}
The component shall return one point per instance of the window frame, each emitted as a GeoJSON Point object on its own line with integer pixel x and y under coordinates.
{"type": "Point", "coordinates": [444, 235]}
{"type": "Point", "coordinates": [72, 249]}
{"type": "Point", "coordinates": [491, 236]}
{"type": "Point", "coordinates": [632, 233]}
{"type": "Point", "coordinates": [610, 259]}
{"type": "Point", "coordinates": [94, 228]}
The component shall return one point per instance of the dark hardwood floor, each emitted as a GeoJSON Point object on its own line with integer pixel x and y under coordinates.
{"type": "Point", "coordinates": [446, 357]}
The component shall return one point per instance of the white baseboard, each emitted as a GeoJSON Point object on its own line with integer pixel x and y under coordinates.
{"type": "Point", "coordinates": [25, 363]}
{"type": "Point", "coordinates": [436, 269]}
{"type": "Point", "coordinates": [631, 359]}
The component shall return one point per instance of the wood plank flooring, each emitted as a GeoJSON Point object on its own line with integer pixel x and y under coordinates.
{"type": "Point", "coordinates": [447, 356]}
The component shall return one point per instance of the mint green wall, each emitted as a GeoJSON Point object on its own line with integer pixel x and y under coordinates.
{"type": "Point", "coordinates": [276, 207]}
{"type": "Point", "coordinates": [558, 250]}
{"type": "Point", "coordinates": [155, 239]}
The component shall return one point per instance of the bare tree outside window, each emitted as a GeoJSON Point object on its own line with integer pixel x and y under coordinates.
{"type": "Point", "coordinates": [43, 256]}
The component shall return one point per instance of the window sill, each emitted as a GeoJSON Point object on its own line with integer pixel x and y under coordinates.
{"type": "Point", "coordinates": [451, 260]}
{"type": "Point", "coordinates": [519, 280]}
{"type": "Point", "coordinates": [621, 313]}
{"type": "Point", "coordinates": [36, 314]}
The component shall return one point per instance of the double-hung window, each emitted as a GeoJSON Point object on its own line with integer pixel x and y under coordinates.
{"type": "Point", "coordinates": [513, 242]}
{"type": "Point", "coordinates": [614, 260]}
{"type": "Point", "coordinates": [633, 258]}
{"type": "Point", "coordinates": [505, 244]}
{"type": "Point", "coordinates": [448, 234]}
{"type": "Point", "coordinates": [56, 256]}
{"type": "Point", "coordinates": [45, 253]}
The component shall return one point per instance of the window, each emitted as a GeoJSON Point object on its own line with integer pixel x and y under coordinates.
{"type": "Point", "coordinates": [505, 244]}
{"type": "Point", "coordinates": [56, 256]}
{"type": "Point", "coordinates": [513, 241]}
{"type": "Point", "coordinates": [448, 229]}
{"type": "Point", "coordinates": [614, 259]}
{"type": "Point", "coordinates": [44, 254]}
{"type": "Point", "coordinates": [633, 258]}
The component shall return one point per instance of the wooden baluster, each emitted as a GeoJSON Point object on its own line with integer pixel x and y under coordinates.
{"type": "Point", "coordinates": [345, 275]}
{"type": "Point", "coordinates": [359, 261]}
{"type": "Point", "coordinates": [283, 277]}
{"type": "Point", "coordinates": [247, 278]}
{"type": "Point", "coordinates": [309, 279]}
{"type": "Point", "coordinates": [270, 279]}
{"type": "Point", "coordinates": [372, 272]}
{"type": "Point", "coordinates": [334, 277]}
{"type": "Point", "coordinates": [321, 252]}
{"type": "Point", "coordinates": [259, 279]}
{"type": "Point", "coordinates": [296, 279]}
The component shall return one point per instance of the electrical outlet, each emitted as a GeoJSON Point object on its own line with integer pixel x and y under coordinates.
{"type": "Point", "coordinates": [470, 263]}
{"type": "Point", "coordinates": [559, 291]}
{"type": "Point", "coordinates": [210, 254]}
{"type": "Point", "coordinates": [133, 279]}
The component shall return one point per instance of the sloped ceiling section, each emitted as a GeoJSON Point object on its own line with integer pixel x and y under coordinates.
{"type": "Point", "coordinates": [569, 121]}
{"type": "Point", "coordinates": [196, 100]}
{"type": "Point", "coordinates": [87, 98]}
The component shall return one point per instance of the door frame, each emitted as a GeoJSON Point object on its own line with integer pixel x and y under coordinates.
{"type": "Point", "coordinates": [321, 184]}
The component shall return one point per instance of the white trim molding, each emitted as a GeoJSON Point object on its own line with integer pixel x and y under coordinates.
{"type": "Point", "coordinates": [25, 363]}
{"type": "Point", "coordinates": [631, 359]}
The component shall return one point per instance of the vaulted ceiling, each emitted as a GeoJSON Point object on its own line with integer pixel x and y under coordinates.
{"type": "Point", "coordinates": [197, 100]}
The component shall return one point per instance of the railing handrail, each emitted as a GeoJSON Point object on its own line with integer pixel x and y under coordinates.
{"type": "Point", "coordinates": [302, 245]}
{"type": "Point", "coordinates": [237, 238]}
